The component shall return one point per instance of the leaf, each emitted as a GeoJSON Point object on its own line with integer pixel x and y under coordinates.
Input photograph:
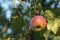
{"type": "Point", "coordinates": [9, 38]}
{"type": "Point", "coordinates": [46, 35]}
{"type": "Point", "coordinates": [57, 11]}
{"type": "Point", "coordinates": [49, 24]}
{"type": "Point", "coordinates": [49, 14]}
{"type": "Point", "coordinates": [56, 38]}
{"type": "Point", "coordinates": [53, 25]}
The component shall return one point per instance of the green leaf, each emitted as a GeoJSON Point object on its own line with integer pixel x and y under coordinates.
{"type": "Point", "coordinates": [56, 38]}
{"type": "Point", "coordinates": [57, 11]}
{"type": "Point", "coordinates": [48, 35]}
{"type": "Point", "coordinates": [49, 14]}
{"type": "Point", "coordinates": [53, 25]}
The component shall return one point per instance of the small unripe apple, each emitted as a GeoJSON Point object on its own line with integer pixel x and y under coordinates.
{"type": "Point", "coordinates": [37, 23]}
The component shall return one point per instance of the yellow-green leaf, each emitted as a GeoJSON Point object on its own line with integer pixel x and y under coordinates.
{"type": "Point", "coordinates": [49, 14]}
{"type": "Point", "coordinates": [53, 25]}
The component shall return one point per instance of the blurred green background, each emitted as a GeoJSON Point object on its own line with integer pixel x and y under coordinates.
{"type": "Point", "coordinates": [16, 14]}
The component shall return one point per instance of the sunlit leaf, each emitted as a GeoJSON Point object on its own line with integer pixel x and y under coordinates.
{"type": "Point", "coordinates": [46, 35]}
{"type": "Point", "coordinates": [53, 25]}
{"type": "Point", "coordinates": [49, 14]}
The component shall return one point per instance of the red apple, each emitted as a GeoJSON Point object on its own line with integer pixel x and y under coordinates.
{"type": "Point", "coordinates": [38, 23]}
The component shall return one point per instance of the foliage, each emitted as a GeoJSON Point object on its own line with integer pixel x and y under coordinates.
{"type": "Point", "coordinates": [20, 16]}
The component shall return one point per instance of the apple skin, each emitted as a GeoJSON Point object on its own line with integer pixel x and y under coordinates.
{"type": "Point", "coordinates": [37, 23]}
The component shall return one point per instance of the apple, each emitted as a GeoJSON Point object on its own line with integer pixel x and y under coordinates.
{"type": "Point", "coordinates": [37, 23]}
